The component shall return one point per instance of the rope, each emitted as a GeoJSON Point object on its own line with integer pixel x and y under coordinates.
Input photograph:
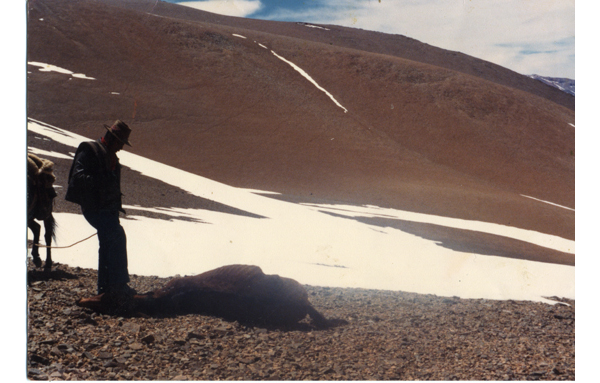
{"type": "Point", "coordinates": [63, 247]}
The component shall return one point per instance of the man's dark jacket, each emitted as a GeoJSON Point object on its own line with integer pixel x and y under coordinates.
{"type": "Point", "coordinates": [92, 183]}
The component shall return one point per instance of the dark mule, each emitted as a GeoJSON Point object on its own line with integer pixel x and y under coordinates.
{"type": "Point", "coordinates": [235, 292]}
{"type": "Point", "coordinates": [40, 198]}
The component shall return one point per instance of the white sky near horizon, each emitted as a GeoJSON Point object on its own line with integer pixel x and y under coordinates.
{"type": "Point", "coordinates": [527, 36]}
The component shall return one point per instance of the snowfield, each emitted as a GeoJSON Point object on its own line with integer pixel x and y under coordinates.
{"type": "Point", "coordinates": [53, 68]}
{"type": "Point", "coordinates": [304, 242]}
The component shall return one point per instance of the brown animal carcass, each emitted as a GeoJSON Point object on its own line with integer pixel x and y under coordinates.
{"type": "Point", "coordinates": [235, 292]}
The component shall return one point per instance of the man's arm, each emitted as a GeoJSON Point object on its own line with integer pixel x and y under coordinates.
{"type": "Point", "coordinates": [85, 169]}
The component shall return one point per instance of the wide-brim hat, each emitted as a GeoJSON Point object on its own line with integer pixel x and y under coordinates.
{"type": "Point", "coordinates": [120, 130]}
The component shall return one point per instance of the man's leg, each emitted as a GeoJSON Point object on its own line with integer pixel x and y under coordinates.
{"type": "Point", "coordinates": [112, 253]}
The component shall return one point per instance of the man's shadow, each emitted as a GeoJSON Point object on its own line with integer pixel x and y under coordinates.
{"type": "Point", "coordinates": [55, 274]}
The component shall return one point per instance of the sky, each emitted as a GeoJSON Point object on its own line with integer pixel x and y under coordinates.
{"type": "Point", "coordinates": [527, 36]}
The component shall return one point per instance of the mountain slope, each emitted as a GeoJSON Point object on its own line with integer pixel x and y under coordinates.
{"type": "Point", "coordinates": [363, 40]}
{"type": "Point", "coordinates": [214, 96]}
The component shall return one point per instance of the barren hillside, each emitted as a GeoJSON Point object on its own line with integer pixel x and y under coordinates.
{"type": "Point", "coordinates": [425, 130]}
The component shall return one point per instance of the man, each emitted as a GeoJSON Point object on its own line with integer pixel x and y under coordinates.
{"type": "Point", "coordinates": [95, 184]}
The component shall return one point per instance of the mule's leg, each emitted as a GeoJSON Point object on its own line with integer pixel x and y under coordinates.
{"type": "Point", "coordinates": [48, 234]}
{"type": "Point", "coordinates": [35, 228]}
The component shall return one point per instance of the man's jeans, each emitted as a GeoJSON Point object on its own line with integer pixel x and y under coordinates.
{"type": "Point", "coordinates": [112, 255]}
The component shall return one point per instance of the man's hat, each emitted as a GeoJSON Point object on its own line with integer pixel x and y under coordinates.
{"type": "Point", "coordinates": [120, 130]}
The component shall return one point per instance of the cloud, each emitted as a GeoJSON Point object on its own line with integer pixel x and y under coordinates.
{"type": "Point", "coordinates": [239, 8]}
{"type": "Point", "coordinates": [505, 32]}
{"type": "Point", "coordinates": [494, 30]}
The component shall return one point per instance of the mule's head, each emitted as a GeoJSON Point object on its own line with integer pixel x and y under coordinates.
{"type": "Point", "coordinates": [46, 176]}
{"type": "Point", "coordinates": [40, 190]}
{"type": "Point", "coordinates": [40, 171]}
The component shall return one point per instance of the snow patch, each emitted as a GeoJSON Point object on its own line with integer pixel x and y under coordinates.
{"type": "Point", "coordinates": [316, 26]}
{"type": "Point", "coordinates": [46, 153]}
{"type": "Point", "coordinates": [530, 236]}
{"type": "Point", "coordinates": [303, 73]}
{"type": "Point", "coordinates": [53, 68]}
{"type": "Point", "coordinates": [256, 191]}
{"type": "Point", "coordinates": [550, 203]}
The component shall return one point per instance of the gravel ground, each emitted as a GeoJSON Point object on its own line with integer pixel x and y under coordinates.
{"type": "Point", "coordinates": [390, 336]}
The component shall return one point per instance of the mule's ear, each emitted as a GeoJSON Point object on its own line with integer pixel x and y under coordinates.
{"type": "Point", "coordinates": [37, 161]}
{"type": "Point", "coordinates": [47, 166]}
{"type": "Point", "coordinates": [32, 167]}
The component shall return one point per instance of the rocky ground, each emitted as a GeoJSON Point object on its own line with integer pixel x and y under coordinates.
{"type": "Point", "coordinates": [390, 336]}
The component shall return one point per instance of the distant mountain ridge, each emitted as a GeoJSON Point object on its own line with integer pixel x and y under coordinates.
{"type": "Point", "coordinates": [567, 85]}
